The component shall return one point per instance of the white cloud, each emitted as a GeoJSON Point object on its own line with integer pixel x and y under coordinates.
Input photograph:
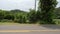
{"type": "Point", "coordinates": [14, 4]}
{"type": "Point", "coordinates": [18, 4]}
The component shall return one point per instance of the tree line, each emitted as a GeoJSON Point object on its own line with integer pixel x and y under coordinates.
{"type": "Point", "coordinates": [20, 16]}
{"type": "Point", "coordinates": [45, 14]}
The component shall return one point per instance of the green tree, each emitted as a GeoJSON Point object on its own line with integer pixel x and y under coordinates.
{"type": "Point", "coordinates": [9, 17]}
{"type": "Point", "coordinates": [1, 16]}
{"type": "Point", "coordinates": [57, 12]}
{"type": "Point", "coordinates": [32, 16]}
{"type": "Point", "coordinates": [47, 8]}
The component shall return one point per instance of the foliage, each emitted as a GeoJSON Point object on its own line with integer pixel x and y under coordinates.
{"type": "Point", "coordinates": [47, 10]}
{"type": "Point", "coordinates": [44, 15]}
{"type": "Point", "coordinates": [9, 17]}
{"type": "Point", "coordinates": [32, 16]}
{"type": "Point", "coordinates": [14, 15]}
{"type": "Point", "coordinates": [57, 13]}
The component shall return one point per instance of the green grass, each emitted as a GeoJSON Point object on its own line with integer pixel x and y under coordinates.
{"type": "Point", "coordinates": [8, 23]}
{"type": "Point", "coordinates": [13, 23]}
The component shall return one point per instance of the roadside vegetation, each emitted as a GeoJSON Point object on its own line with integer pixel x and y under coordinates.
{"type": "Point", "coordinates": [46, 15]}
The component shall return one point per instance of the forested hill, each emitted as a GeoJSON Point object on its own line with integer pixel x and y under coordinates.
{"type": "Point", "coordinates": [18, 11]}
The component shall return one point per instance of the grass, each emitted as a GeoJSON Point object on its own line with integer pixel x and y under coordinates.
{"type": "Point", "coordinates": [8, 23]}
{"type": "Point", "coordinates": [13, 23]}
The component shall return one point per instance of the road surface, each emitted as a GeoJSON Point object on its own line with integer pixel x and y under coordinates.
{"type": "Point", "coordinates": [29, 29]}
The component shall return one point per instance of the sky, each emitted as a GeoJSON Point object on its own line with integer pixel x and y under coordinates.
{"type": "Point", "coordinates": [19, 4]}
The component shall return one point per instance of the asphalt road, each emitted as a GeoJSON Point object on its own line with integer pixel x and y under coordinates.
{"type": "Point", "coordinates": [29, 29]}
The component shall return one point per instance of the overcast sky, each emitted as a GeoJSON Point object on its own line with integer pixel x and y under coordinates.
{"type": "Point", "coordinates": [18, 4]}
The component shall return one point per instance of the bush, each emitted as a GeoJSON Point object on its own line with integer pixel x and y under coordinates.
{"type": "Point", "coordinates": [21, 19]}
{"type": "Point", "coordinates": [6, 20]}
{"type": "Point", "coordinates": [32, 16]}
{"type": "Point", "coordinates": [9, 17]}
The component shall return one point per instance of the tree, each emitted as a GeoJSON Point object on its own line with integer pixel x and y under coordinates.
{"type": "Point", "coordinates": [1, 16]}
{"type": "Point", "coordinates": [9, 17]}
{"type": "Point", "coordinates": [57, 12]}
{"type": "Point", "coordinates": [47, 8]}
{"type": "Point", "coordinates": [32, 16]}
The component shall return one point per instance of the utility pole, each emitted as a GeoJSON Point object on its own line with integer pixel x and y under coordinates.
{"type": "Point", "coordinates": [35, 5]}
